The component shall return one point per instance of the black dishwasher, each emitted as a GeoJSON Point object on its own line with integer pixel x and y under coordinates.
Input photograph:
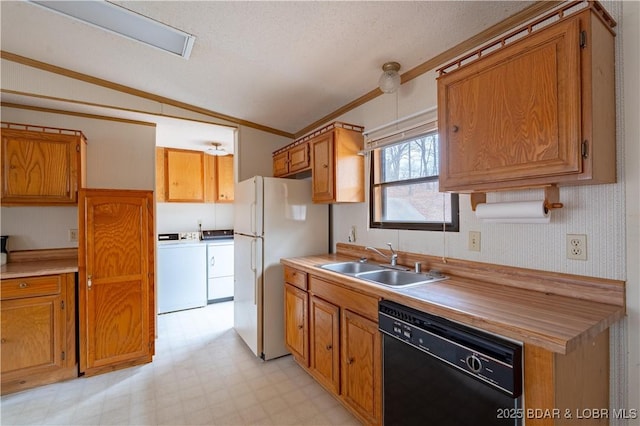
{"type": "Point", "coordinates": [437, 372]}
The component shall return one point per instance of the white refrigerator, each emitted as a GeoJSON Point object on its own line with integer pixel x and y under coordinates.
{"type": "Point", "coordinates": [274, 218]}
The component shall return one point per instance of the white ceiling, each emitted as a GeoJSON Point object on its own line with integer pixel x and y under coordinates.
{"type": "Point", "coordinates": [283, 65]}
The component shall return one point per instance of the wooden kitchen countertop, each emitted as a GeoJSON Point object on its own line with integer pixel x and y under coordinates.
{"type": "Point", "coordinates": [559, 323]}
{"type": "Point", "coordinates": [32, 263]}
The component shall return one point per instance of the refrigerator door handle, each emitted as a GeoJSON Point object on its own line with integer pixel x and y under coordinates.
{"type": "Point", "coordinates": [253, 218]}
{"type": "Point", "coordinates": [253, 269]}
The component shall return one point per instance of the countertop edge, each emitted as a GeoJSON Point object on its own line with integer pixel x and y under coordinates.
{"type": "Point", "coordinates": [558, 342]}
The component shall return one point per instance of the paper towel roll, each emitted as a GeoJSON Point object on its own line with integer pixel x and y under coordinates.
{"type": "Point", "coordinates": [514, 212]}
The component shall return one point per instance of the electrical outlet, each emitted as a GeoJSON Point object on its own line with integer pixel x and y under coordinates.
{"type": "Point", "coordinates": [73, 235]}
{"type": "Point", "coordinates": [474, 240]}
{"type": "Point", "coordinates": [577, 246]}
{"type": "Point", "coordinates": [352, 234]}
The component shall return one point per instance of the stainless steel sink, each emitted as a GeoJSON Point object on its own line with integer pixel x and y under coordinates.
{"type": "Point", "coordinates": [380, 275]}
{"type": "Point", "coordinates": [394, 278]}
{"type": "Point", "coordinates": [351, 268]}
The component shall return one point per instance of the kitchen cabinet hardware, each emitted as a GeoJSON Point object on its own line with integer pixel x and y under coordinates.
{"type": "Point", "coordinates": [23, 285]}
{"type": "Point", "coordinates": [89, 282]}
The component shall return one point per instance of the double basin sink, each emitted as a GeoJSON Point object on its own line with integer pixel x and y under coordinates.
{"type": "Point", "coordinates": [379, 274]}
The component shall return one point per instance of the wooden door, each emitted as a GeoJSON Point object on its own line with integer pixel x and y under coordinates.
{"type": "Point", "coordinates": [39, 168]}
{"type": "Point", "coordinates": [324, 342]}
{"type": "Point", "coordinates": [514, 115]}
{"type": "Point", "coordinates": [361, 366]}
{"type": "Point", "coordinates": [323, 175]}
{"type": "Point", "coordinates": [116, 285]}
{"type": "Point", "coordinates": [296, 323]}
{"type": "Point", "coordinates": [184, 175]}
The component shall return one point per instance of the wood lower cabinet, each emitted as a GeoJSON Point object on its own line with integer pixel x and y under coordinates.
{"type": "Point", "coordinates": [575, 386]}
{"type": "Point", "coordinates": [539, 111]}
{"type": "Point", "coordinates": [41, 165]}
{"type": "Point", "coordinates": [324, 343]}
{"type": "Point", "coordinates": [38, 331]}
{"type": "Point", "coordinates": [343, 339]}
{"type": "Point", "coordinates": [116, 279]}
{"type": "Point", "coordinates": [361, 365]}
{"type": "Point", "coordinates": [296, 331]}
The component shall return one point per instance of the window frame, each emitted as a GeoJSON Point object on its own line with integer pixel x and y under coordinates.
{"type": "Point", "coordinates": [453, 226]}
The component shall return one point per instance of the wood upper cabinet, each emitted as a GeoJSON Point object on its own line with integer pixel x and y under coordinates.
{"type": "Point", "coordinates": [192, 176]}
{"type": "Point", "coordinates": [38, 331]}
{"type": "Point", "coordinates": [337, 169]}
{"type": "Point", "coordinates": [296, 331]}
{"type": "Point", "coordinates": [362, 366]}
{"type": "Point", "coordinates": [292, 160]}
{"type": "Point", "coordinates": [116, 279]}
{"type": "Point", "coordinates": [41, 167]}
{"type": "Point", "coordinates": [183, 175]}
{"type": "Point", "coordinates": [539, 111]}
{"type": "Point", "coordinates": [324, 343]}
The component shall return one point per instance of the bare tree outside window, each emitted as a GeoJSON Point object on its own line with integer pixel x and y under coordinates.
{"type": "Point", "coordinates": [404, 188]}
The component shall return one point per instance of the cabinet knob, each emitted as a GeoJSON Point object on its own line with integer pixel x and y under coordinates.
{"type": "Point", "coordinates": [3, 340]}
{"type": "Point", "coordinates": [89, 282]}
{"type": "Point", "coordinates": [455, 129]}
{"type": "Point", "coordinates": [300, 327]}
{"type": "Point", "coordinates": [23, 285]}
{"type": "Point", "coordinates": [325, 166]}
{"type": "Point", "coordinates": [329, 347]}
{"type": "Point", "coordinates": [350, 360]}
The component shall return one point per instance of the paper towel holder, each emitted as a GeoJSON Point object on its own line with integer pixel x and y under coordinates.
{"type": "Point", "coordinates": [551, 198]}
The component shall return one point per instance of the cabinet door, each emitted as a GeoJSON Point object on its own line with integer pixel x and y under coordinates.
{"type": "Point", "coordinates": [32, 336]}
{"type": "Point", "coordinates": [281, 164]}
{"type": "Point", "coordinates": [225, 178]}
{"type": "Point", "coordinates": [160, 189]}
{"type": "Point", "coordinates": [299, 158]}
{"type": "Point", "coordinates": [39, 168]}
{"type": "Point", "coordinates": [361, 366]}
{"type": "Point", "coordinates": [184, 175]}
{"type": "Point", "coordinates": [323, 176]}
{"type": "Point", "coordinates": [324, 343]}
{"type": "Point", "coordinates": [115, 268]}
{"type": "Point", "coordinates": [296, 323]}
{"type": "Point", "coordinates": [514, 115]}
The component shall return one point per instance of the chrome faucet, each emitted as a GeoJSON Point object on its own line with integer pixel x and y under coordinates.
{"type": "Point", "coordinates": [393, 259]}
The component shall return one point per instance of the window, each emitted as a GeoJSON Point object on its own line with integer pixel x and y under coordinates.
{"type": "Point", "coordinates": [404, 187]}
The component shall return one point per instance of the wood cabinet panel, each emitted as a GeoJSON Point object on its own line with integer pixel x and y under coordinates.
{"type": "Point", "coordinates": [183, 175]}
{"type": "Point", "coordinates": [296, 323]}
{"type": "Point", "coordinates": [225, 193]}
{"type": "Point", "coordinates": [523, 115]}
{"type": "Point", "coordinates": [295, 277]}
{"type": "Point", "coordinates": [325, 343]}
{"type": "Point", "coordinates": [41, 168]}
{"type": "Point", "coordinates": [160, 189]}
{"type": "Point", "coordinates": [116, 294]}
{"type": "Point", "coordinates": [299, 158]}
{"type": "Point", "coordinates": [362, 366]}
{"type": "Point", "coordinates": [38, 332]}
{"type": "Point", "coordinates": [281, 164]}
{"type": "Point", "coordinates": [323, 177]}
{"type": "Point", "coordinates": [31, 286]}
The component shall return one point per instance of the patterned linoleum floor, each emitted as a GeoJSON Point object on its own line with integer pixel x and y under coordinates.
{"type": "Point", "coordinates": [202, 374]}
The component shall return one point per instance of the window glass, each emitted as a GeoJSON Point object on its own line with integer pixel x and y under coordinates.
{"type": "Point", "coordinates": [404, 187]}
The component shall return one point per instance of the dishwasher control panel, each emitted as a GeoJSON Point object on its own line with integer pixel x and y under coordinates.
{"type": "Point", "coordinates": [493, 360]}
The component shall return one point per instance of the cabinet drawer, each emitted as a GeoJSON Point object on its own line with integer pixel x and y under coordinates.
{"type": "Point", "coordinates": [363, 304]}
{"type": "Point", "coordinates": [295, 277]}
{"type": "Point", "coordinates": [32, 286]}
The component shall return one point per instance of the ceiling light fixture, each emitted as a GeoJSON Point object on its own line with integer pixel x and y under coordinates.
{"type": "Point", "coordinates": [390, 79]}
{"type": "Point", "coordinates": [124, 22]}
{"type": "Point", "coordinates": [216, 150]}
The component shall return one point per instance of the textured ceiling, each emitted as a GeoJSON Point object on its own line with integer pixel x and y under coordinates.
{"type": "Point", "coordinates": [278, 64]}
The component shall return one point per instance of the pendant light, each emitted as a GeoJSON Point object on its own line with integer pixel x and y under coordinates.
{"type": "Point", "coordinates": [216, 149]}
{"type": "Point", "coordinates": [390, 79]}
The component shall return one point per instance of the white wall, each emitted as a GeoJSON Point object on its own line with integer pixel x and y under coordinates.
{"type": "Point", "coordinates": [184, 217]}
{"type": "Point", "coordinates": [119, 155]}
{"type": "Point", "coordinates": [597, 211]}
{"type": "Point", "coordinates": [254, 149]}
